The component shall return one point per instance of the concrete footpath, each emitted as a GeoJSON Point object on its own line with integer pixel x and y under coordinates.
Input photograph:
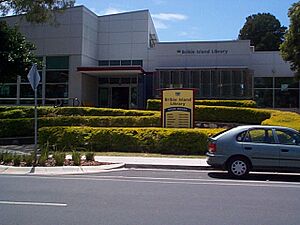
{"type": "Point", "coordinates": [117, 163]}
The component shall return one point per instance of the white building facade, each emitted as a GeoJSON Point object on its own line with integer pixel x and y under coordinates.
{"type": "Point", "coordinates": [117, 61]}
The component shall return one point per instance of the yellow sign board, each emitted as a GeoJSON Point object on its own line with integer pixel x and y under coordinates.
{"type": "Point", "coordinates": [178, 108]}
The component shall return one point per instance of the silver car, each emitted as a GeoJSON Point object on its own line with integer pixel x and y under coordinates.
{"type": "Point", "coordinates": [246, 148]}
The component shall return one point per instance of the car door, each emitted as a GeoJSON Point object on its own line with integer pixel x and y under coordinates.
{"type": "Point", "coordinates": [259, 144]}
{"type": "Point", "coordinates": [289, 145]}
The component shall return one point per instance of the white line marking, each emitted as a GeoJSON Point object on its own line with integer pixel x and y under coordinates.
{"type": "Point", "coordinates": [33, 203]}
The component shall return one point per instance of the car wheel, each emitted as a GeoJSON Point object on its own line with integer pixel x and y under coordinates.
{"type": "Point", "coordinates": [238, 167]}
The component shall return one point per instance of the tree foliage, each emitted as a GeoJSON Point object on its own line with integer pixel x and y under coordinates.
{"type": "Point", "coordinates": [264, 31]}
{"type": "Point", "coordinates": [290, 48]}
{"type": "Point", "coordinates": [16, 55]}
{"type": "Point", "coordinates": [38, 11]}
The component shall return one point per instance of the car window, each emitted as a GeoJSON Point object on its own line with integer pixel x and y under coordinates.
{"type": "Point", "coordinates": [287, 137]}
{"type": "Point", "coordinates": [260, 135]}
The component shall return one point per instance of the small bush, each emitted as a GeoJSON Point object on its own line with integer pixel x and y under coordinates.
{"type": "Point", "coordinates": [7, 157]}
{"type": "Point", "coordinates": [154, 104]}
{"type": "Point", "coordinates": [17, 160]}
{"type": "Point", "coordinates": [14, 112]}
{"type": "Point", "coordinates": [149, 140]}
{"type": "Point", "coordinates": [59, 158]}
{"type": "Point", "coordinates": [43, 157]}
{"type": "Point", "coordinates": [25, 127]}
{"type": "Point", "coordinates": [29, 159]}
{"type": "Point", "coordinates": [76, 157]}
{"type": "Point", "coordinates": [89, 156]}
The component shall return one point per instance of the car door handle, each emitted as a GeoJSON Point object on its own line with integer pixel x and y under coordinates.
{"type": "Point", "coordinates": [248, 148]}
{"type": "Point", "coordinates": [284, 150]}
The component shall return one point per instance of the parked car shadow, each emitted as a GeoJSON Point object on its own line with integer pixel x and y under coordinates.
{"type": "Point", "coordinates": [288, 177]}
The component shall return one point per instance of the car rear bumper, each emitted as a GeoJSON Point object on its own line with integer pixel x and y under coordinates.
{"type": "Point", "coordinates": [217, 161]}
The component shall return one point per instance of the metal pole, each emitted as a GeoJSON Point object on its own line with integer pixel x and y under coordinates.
{"type": "Point", "coordinates": [35, 125]}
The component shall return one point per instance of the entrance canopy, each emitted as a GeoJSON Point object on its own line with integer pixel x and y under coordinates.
{"type": "Point", "coordinates": [130, 70]}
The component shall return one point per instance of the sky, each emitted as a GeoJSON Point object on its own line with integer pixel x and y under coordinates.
{"type": "Point", "coordinates": [195, 20]}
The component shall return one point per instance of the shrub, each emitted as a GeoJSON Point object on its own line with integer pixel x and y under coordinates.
{"type": "Point", "coordinates": [29, 159]}
{"type": "Point", "coordinates": [25, 126]}
{"type": "Point", "coordinates": [231, 114]}
{"type": "Point", "coordinates": [43, 157]}
{"type": "Point", "coordinates": [283, 118]}
{"type": "Point", "coordinates": [90, 156]}
{"type": "Point", "coordinates": [150, 140]}
{"type": "Point", "coordinates": [17, 160]}
{"type": "Point", "coordinates": [59, 158]}
{"type": "Point", "coordinates": [7, 157]}
{"type": "Point", "coordinates": [15, 112]}
{"type": "Point", "coordinates": [76, 157]}
{"type": "Point", "coordinates": [154, 104]}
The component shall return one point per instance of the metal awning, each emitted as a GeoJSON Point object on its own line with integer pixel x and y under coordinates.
{"type": "Point", "coordinates": [115, 70]}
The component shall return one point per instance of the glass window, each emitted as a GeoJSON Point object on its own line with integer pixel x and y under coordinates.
{"type": "Point", "coordinates": [8, 90]}
{"type": "Point", "coordinates": [27, 92]}
{"type": "Point", "coordinates": [205, 83]}
{"type": "Point", "coordinates": [260, 136]}
{"type": "Point", "coordinates": [175, 79]}
{"type": "Point", "coordinates": [125, 62]}
{"type": "Point", "coordinates": [215, 78]}
{"type": "Point", "coordinates": [240, 137]}
{"type": "Point", "coordinates": [56, 91]}
{"type": "Point", "coordinates": [114, 62]}
{"type": "Point", "coordinates": [185, 79]}
{"type": "Point", "coordinates": [263, 82]}
{"type": "Point", "coordinates": [57, 62]}
{"type": "Point", "coordinates": [137, 62]}
{"type": "Point", "coordinates": [287, 137]}
{"type": "Point", "coordinates": [57, 76]}
{"type": "Point", "coordinates": [195, 76]}
{"type": "Point", "coordinates": [165, 79]}
{"type": "Point", "coordinates": [264, 97]}
{"type": "Point", "coordinates": [286, 82]}
{"type": "Point", "coordinates": [286, 98]}
{"type": "Point", "coordinates": [103, 63]}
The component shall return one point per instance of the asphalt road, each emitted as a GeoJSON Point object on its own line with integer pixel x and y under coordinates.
{"type": "Point", "coordinates": [150, 197]}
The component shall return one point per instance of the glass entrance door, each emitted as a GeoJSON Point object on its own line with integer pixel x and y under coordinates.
{"type": "Point", "coordinates": [120, 97]}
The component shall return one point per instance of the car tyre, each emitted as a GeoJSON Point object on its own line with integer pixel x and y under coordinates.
{"type": "Point", "coordinates": [238, 167]}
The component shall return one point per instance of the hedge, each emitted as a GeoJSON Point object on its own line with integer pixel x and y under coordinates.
{"type": "Point", "coordinates": [283, 118]}
{"type": "Point", "coordinates": [145, 140]}
{"type": "Point", "coordinates": [25, 126]}
{"type": "Point", "coordinates": [15, 112]}
{"type": "Point", "coordinates": [154, 104]}
{"type": "Point", "coordinates": [231, 114]}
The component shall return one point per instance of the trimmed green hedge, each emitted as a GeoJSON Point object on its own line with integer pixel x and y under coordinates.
{"type": "Point", "coordinates": [154, 104]}
{"type": "Point", "coordinates": [25, 126]}
{"type": "Point", "coordinates": [147, 140]}
{"type": "Point", "coordinates": [231, 114]}
{"type": "Point", "coordinates": [15, 112]}
{"type": "Point", "coordinates": [283, 118]}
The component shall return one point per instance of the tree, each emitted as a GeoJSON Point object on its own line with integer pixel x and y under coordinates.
{"type": "Point", "coordinates": [38, 11]}
{"type": "Point", "coordinates": [264, 31]}
{"type": "Point", "coordinates": [290, 48]}
{"type": "Point", "coordinates": [16, 55]}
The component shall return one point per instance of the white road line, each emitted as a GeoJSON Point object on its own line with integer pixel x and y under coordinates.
{"type": "Point", "coordinates": [33, 203]}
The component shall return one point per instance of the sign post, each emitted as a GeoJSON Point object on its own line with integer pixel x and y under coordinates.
{"type": "Point", "coordinates": [177, 108]}
{"type": "Point", "coordinates": [34, 80]}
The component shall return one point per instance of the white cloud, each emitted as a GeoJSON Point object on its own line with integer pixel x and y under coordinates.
{"type": "Point", "coordinates": [159, 25]}
{"type": "Point", "coordinates": [169, 16]}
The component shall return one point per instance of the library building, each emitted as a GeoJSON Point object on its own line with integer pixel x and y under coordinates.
{"type": "Point", "coordinates": [117, 61]}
